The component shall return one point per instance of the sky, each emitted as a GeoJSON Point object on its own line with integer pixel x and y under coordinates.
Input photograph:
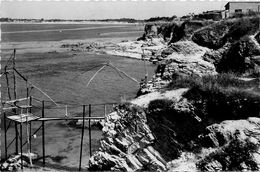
{"type": "Point", "coordinates": [105, 9]}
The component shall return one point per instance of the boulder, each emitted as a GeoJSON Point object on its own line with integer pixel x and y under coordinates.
{"type": "Point", "coordinates": [220, 134]}
{"type": "Point", "coordinates": [236, 144]}
{"type": "Point", "coordinates": [14, 162]}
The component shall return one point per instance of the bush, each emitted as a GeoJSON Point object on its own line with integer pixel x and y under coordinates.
{"type": "Point", "coordinates": [236, 58]}
{"type": "Point", "coordinates": [160, 105]}
{"type": "Point", "coordinates": [223, 80]}
{"type": "Point", "coordinates": [242, 27]}
{"type": "Point", "coordinates": [221, 97]}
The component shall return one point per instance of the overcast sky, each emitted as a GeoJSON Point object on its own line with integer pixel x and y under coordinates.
{"type": "Point", "coordinates": [105, 9]}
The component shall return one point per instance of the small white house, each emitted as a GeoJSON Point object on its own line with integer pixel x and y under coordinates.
{"type": "Point", "coordinates": [234, 7]}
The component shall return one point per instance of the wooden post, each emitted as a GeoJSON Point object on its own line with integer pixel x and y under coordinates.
{"type": "Point", "coordinates": [82, 136]}
{"type": "Point", "coordinates": [89, 130]}
{"type": "Point", "coordinates": [14, 79]}
{"type": "Point", "coordinates": [43, 136]}
{"type": "Point", "coordinates": [28, 141]}
{"type": "Point", "coordinates": [5, 135]}
{"type": "Point", "coordinates": [105, 109]}
{"type": "Point", "coordinates": [16, 137]}
{"type": "Point", "coordinates": [30, 123]}
{"type": "Point", "coordinates": [7, 83]}
{"type": "Point", "coordinates": [21, 142]}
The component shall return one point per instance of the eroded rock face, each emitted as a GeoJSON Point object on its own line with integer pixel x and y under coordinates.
{"type": "Point", "coordinates": [171, 32]}
{"type": "Point", "coordinates": [220, 134]}
{"type": "Point", "coordinates": [127, 143]}
{"type": "Point", "coordinates": [175, 125]}
{"type": "Point", "coordinates": [237, 145]}
{"type": "Point", "coordinates": [238, 57]}
{"type": "Point", "coordinates": [211, 36]}
{"type": "Point", "coordinates": [188, 66]}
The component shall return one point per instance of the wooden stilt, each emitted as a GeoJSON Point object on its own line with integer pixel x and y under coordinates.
{"type": "Point", "coordinates": [82, 136]}
{"type": "Point", "coordinates": [28, 141]}
{"type": "Point", "coordinates": [105, 109]}
{"type": "Point", "coordinates": [43, 136]}
{"type": "Point", "coordinates": [89, 130]}
{"type": "Point", "coordinates": [5, 135]}
{"type": "Point", "coordinates": [21, 143]}
{"type": "Point", "coordinates": [7, 84]}
{"type": "Point", "coordinates": [30, 124]}
{"type": "Point", "coordinates": [16, 137]}
{"type": "Point", "coordinates": [14, 79]}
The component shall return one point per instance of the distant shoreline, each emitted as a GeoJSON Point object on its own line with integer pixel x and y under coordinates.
{"type": "Point", "coordinates": [72, 22]}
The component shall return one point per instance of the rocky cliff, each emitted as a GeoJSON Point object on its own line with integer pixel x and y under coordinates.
{"type": "Point", "coordinates": [233, 45]}
{"type": "Point", "coordinates": [189, 117]}
{"type": "Point", "coordinates": [128, 143]}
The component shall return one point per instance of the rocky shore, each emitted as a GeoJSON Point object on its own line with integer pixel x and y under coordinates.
{"type": "Point", "coordinates": [193, 115]}
{"type": "Point", "coordinates": [174, 128]}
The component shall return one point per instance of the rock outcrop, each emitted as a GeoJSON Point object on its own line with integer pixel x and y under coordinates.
{"type": "Point", "coordinates": [171, 32]}
{"type": "Point", "coordinates": [127, 143]}
{"type": "Point", "coordinates": [236, 144]}
{"type": "Point", "coordinates": [211, 36]}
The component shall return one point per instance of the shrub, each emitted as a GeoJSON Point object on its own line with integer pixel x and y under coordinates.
{"type": "Point", "coordinates": [235, 59]}
{"type": "Point", "coordinates": [222, 96]}
{"type": "Point", "coordinates": [160, 105]}
{"type": "Point", "coordinates": [242, 27]}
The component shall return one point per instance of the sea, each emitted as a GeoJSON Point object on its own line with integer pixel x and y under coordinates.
{"type": "Point", "coordinates": [64, 77]}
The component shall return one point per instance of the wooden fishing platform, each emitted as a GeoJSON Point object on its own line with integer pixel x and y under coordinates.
{"type": "Point", "coordinates": [25, 106]}
{"type": "Point", "coordinates": [21, 118]}
{"type": "Point", "coordinates": [18, 111]}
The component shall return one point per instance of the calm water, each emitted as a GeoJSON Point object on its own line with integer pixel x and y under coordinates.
{"type": "Point", "coordinates": [58, 32]}
{"type": "Point", "coordinates": [64, 77]}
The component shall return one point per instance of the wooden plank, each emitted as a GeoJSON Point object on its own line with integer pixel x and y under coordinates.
{"type": "Point", "coordinates": [22, 117]}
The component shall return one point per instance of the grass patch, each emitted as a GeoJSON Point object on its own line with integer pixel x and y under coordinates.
{"type": "Point", "coordinates": [224, 80]}
{"type": "Point", "coordinates": [220, 97]}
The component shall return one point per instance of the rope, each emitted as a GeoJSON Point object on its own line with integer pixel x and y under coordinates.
{"type": "Point", "coordinates": [11, 57]}
{"type": "Point", "coordinates": [95, 75]}
{"type": "Point", "coordinates": [85, 71]}
{"type": "Point", "coordinates": [43, 93]}
{"type": "Point", "coordinates": [125, 74]}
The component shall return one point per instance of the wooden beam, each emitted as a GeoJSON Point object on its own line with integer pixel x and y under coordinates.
{"type": "Point", "coordinates": [15, 107]}
{"type": "Point", "coordinates": [16, 100]}
{"type": "Point", "coordinates": [69, 118]}
{"type": "Point", "coordinates": [20, 74]}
